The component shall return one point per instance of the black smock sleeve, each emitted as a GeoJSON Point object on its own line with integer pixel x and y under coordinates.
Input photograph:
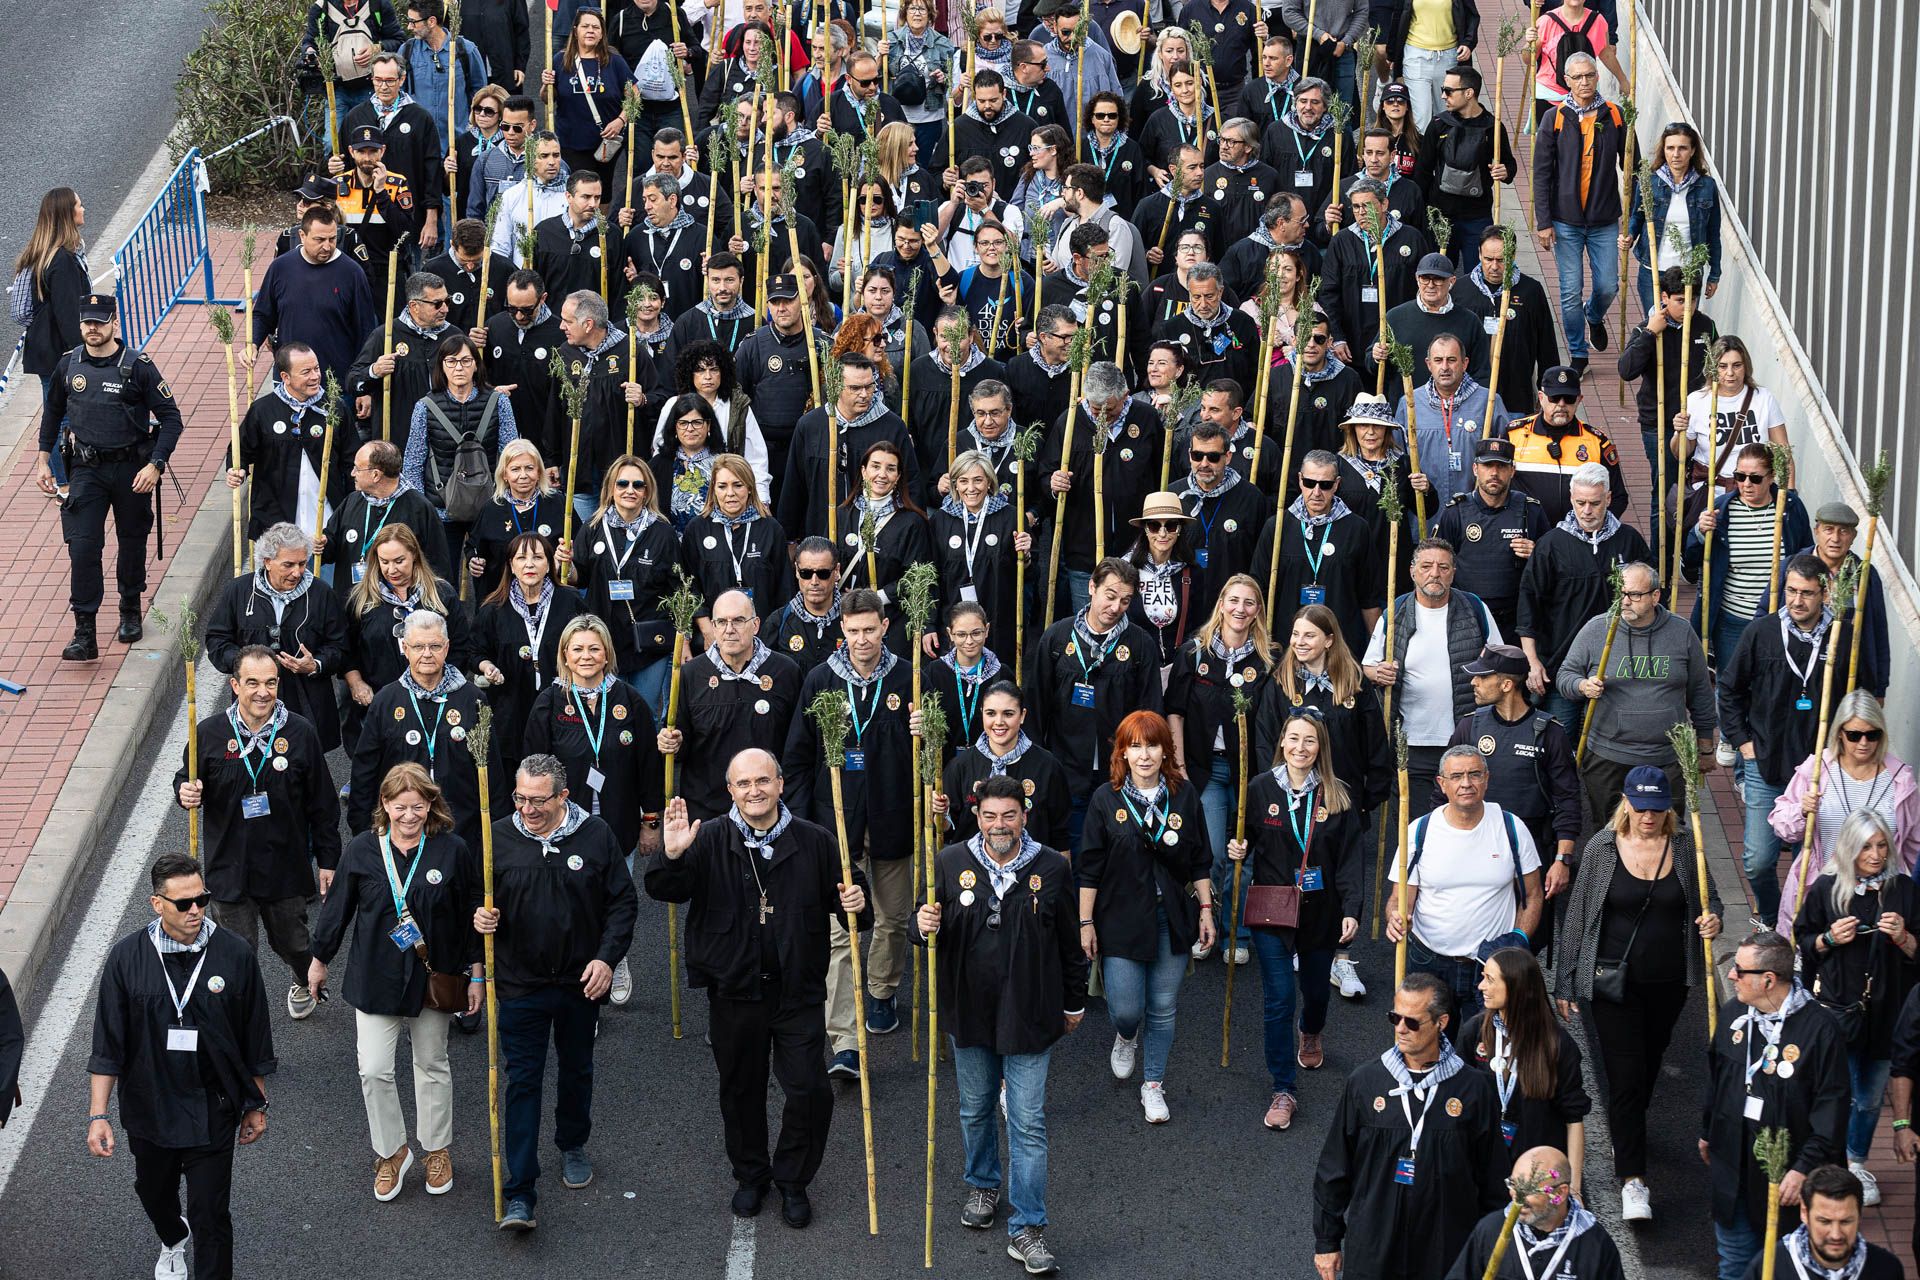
{"type": "Point", "coordinates": [338, 908]}
{"type": "Point", "coordinates": [13, 1044]}
{"type": "Point", "coordinates": [623, 909]}
{"type": "Point", "coordinates": [322, 804]}
{"type": "Point", "coordinates": [1333, 1178]}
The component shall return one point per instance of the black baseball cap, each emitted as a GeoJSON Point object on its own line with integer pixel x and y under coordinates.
{"type": "Point", "coordinates": [785, 286]}
{"type": "Point", "coordinates": [1435, 264]}
{"type": "Point", "coordinates": [1561, 380]}
{"type": "Point", "coordinates": [1498, 660]}
{"type": "Point", "coordinates": [366, 135]}
{"type": "Point", "coordinates": [316, 188]}
{"type": "Point", "coordinates": [98, 306]}
{"type": "Point", "coordinates": [1396, 92]}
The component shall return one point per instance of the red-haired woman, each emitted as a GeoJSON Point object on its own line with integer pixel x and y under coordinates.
{"type": "Point", "coordinates": [1145, 895]}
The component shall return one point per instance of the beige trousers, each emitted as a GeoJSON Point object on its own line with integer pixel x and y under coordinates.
{"type": "Point", "coordinates": [377, 1040]}
{"type": "Point", "coordinates": [890, 887]}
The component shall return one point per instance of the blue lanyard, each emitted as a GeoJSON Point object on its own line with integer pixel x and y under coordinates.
{"type": "Point", "coordinates": [967, 711]}
{"type": "Point", "coordinates": [1153, 832]}
{"type": "Point", "coordinates": [853, 710]}
{"type": "Point", "coordinates": [395, 885]}
{"type": "Point", "coordinates": [1106, 166]}
{"type": "Point", "coordinates": [733, 334]}
{"type": "Point", "coordinates": [366, 534]}
{"type": "Point", "coordinates": [433, 734]}
{"type": "Point", "coordinates": [1304, 838]}
{"type": "Point", "coordinates": [594, 736]}
{"type": "Point", "coordinates": [1086, 672]}
{"type": "Point", "coordinates": [241, 735]}
{"type": "Point", "coordinates": [1206, 523]}
{"type": "Point", "coordinates": [1306, 546]}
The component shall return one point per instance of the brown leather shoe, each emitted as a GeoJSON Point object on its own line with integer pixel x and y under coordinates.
{"type": "Point", "coordinates": [390, 1172]}
{"type": "Point", "coordinates": [439, 1172]}
{"type": "Point", "coordinates": [1312, 1054]}
{"type": "Point", "coordinates": [1280, 1111]}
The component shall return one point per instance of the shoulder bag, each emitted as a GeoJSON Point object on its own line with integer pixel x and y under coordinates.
{"type": "Point", "coordinates": [1610, 976]}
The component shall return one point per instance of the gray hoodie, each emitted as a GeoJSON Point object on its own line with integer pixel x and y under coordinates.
{"type": "Point", "coordinates": [1655, 675]}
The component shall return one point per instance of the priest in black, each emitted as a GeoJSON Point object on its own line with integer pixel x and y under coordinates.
{"type": "Point", "coordinates": [1554, 1238]}
{"type": "Point", "coordinates": [282, 438]}
{"type": "Point", "coordinates": [271, 813]}
{"type": "Point", "coordinates": [1414, 1156]}
{"type": "Point", "coordinates": [763, 886]}
{"type": "Point", "coordinates": [282, 606]}
{"type": "Point", "coordinates": [736, 696]}
{"type": "Point", "coordinates": [181, 1026]}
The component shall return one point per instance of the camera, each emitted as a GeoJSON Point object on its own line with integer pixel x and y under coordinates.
{"type": "Point", "coordinates": [975, 190]}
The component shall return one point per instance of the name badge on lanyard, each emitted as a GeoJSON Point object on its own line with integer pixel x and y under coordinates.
{"type": "Point", "coordinates": [257, 805]}
{"type": "Point", "coordinates": [1082, 694]}
{"type": "Point", "coordinates": [620, 589]}
{"type": "Point", "coordinates": [180, 1038]}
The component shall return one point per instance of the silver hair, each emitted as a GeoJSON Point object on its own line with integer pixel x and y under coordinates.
{"type": "Point", "coordinates": [1104, 383]}
{"type": "Point", "coordinates": [589, 306]}
{"type": "Point", "coordinates": [1592, 475]}
{"type": "Point", "coordinates": [1863, 706]}
{"type": "Point", "coordinates": [1204, 271]}
{"type": "Point", "coordinates": [542, 765]}
{"type": "Point", "coordinates": [972, 460]}
{"type": "Point", "coordinates": [1464, 751]}
{"type": "Point", "coordinates": [423, 620]}
{"type": "Point", "coordinates": [284, 536]}
{"type": "Point", "coordinates": [1861, 826]}
{"type": "Point", "coordinates": [1653, 574]}
{"type": "Point", "coordinates": [1577, 60]}
{"type": "Point", "coordinates": [1321, 458]}
{"type": "Point", "coordinates": [1306, 83]}
{"type": "Point", "coordinates": [1243, 127]}
{"type": "Point", "coordinates": [1363, 186]}
{"type": "Point", "coordinates": [665, 183]}
{"type": "Point", "coordinates": [420, 281]}
{"type": "Point", "coordinates": [838, 37]}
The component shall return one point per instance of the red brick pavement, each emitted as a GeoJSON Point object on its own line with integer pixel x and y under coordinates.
{"type": "Point", "coordinates": [42, 731]}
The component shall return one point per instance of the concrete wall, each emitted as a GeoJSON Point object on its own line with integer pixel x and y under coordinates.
{"type": "Point", "coordinates": [1820, 250]}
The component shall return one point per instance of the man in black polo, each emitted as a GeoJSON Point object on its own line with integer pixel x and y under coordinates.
{"type": "Point", "coordinates": [1492, 530]}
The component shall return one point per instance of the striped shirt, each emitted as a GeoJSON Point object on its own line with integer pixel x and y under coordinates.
{"type": "Point", "coordinates": [1750, 557]}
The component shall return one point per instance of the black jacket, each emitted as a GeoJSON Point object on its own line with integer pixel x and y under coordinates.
{"type": "Point", "coordinates": [803, 498]}
{"type": "Point", "coordinates": [1124, 680]}
{"type": "Point", "coordinates": [1482, 539]}
{"type": "Point", "coordinates": [726, 941]}
{"type": "Point", "coordinates": [242, 616]}
{"type": "Point", "coordinates": [1532, 342]}
{"type": "Point", "coordinates": [384, 743]}
{"type": "Point", "coordinates": [355, 520]}
{"type": "Point", "coordinates": [270, 856]}
{"type": "Point", "coordinates": [1356, 737]}
{"type": "Point", "coordinates": [1763, 702]}
{"type": "Point", "coordinates": [1869, 968]}
{"type": "Point", "coordinates": [1009, 988]}
{"type": "Point", "coordinates": [1566, 582]}
{"type": "Point", "coordinates": [1350, 580]}
{"type": "Point", "coordinates": [1459, 143]}
{"type": "Point", "coordinates": [55, 329]}
{"type": "Point", "coordinates": [1537, 1122]}
{"type": "Point", "coordinates": [1200, 690]}
{"type": "Point", "coordinates": [373, 644]}
{"type": "Point", "coordinates": [990, 579]}
{"type": "Point", "coordinates": [1134, 870]}
{"type": "Point", "coordinates": [720, 718]}
{"type": "Point", "coordinates": [1591, 1256]}
{"type": "Point", "coordinates": [1560, 154]}
{"type": "Point", "coordinates": [273, 441]}
{"type": "Point", "coordinates": [642, 631]}
{"type": "Point", "coordinates": [878, 796]}
{"type": "Point", "coordinates": [1131, 470]}
{"type": "Point", "coordinates": [499, 524]}
{"type": "Point", "coordinates": [1641, 360]}
{"type": "Point", "coordinates": [1334, 847]}
{"type": "Point", "coordinates": [1347, 274]}
{"type": "Point", "coordinates": [13, 1044]}
{"type": "Point", "coordinates": [627, 757]}
{"type": "Point", "coordinates": [563, 904]}
{"type": "Point", "coordinates": [522, 359]}
{"type": "Point", "coordinates": [381, 978]}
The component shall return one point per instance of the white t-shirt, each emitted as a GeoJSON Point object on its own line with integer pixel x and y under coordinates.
{"type": "Point", "coordinates": [1762, 415]}
{"type": "Point", "coordinates": [1465, 880]}
{"type": "Point", "coordinates": [1672, 254]}
{"type": "Point", "coordinates": [1425, 691]}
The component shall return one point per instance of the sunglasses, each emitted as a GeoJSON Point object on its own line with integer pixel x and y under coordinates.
{"type": "Point", "coordinates": [1162, 526]}
{"type": "Point", "coordinates": [188, 904]}
{"type": "Point", "coordinates": [1401, 1019]}
{"type": "Point", "coordinates": [867, 83]}
{"type": "Point", "coordinates": [1206, 455]}
{"type": "Point", "coordinates": [991, 38]}
{"type": "Point", "coordinates": [1752, 477]}
{"type": "Point", "coordinates": [1317, 340]}
{"type": "Point", "coordinates": [523, 311]}
{"type": "Point", "coordinates": [1862, 735]}
{"type": "Point", "coordinates": [513, 128]}
{"type": "Point", "coordinates": [630, 484]}
{"type": "Point", "coordinates": [438, 304]}
{"type": "Point", "coordinates": [1329, 485]}
{"type": "Point", "coordinates": [1563, 399]}
{"type": "Point", "coordinates": [813, 575]}
{"type": "Point", "coordinates": [1739, 972]}
{"type": "Point", "coordinates": [1106, 115]}
{"type": "Point", "coordinates": [486, 111]}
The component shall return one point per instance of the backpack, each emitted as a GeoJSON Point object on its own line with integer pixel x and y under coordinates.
{"type": "Point", "coordinates": [23, 302]}
{"type": "Point", "coordinates": [1419, 840]}
{"type": "Point", "coordinates": [465, 493]}
{"type": "Point", "coordinates": [1571, 42]}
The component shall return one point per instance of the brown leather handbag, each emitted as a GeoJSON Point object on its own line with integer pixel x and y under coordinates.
{"type": "Point", "coordinates": [1273, 906]}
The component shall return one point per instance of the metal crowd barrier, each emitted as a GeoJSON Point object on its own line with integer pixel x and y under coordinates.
{"type": "Point", "coordinates": [156, 268]}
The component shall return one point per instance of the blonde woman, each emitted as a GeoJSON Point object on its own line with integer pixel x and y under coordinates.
{"type": "Point", "coordinates": [623, 562]}
{"type": "Point", "coordinates": [976, 538]}
{"type": "Point", "coordinates": [524, 501]}
{"type": "Point", "coordinates": [55, 260]}
{"type": "Point", "coordinates": [398, 581]}
{"type": "Point", "coordinates": [735, 545]}
{"type": "Point", "coordinates": [899, 151]}
{"type": "Point", "coordinates": [411, 863]}
{"type": "Point", "coordinates": [1229, 654]}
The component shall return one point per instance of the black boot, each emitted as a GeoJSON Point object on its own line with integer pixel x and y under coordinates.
{"type": "Point", "coordinates": [130, 613]}
{"type": "Point", "coordinates": [83, 647]}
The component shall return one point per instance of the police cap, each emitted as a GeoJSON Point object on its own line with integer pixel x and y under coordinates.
{"type": "Point", "coordinates": [366, 135]}
{"type": "Point", "coordinates": [98, 306]}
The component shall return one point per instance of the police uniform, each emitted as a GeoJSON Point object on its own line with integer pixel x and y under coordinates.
{"type": "Point", "coordinates": [380, 218]}
{"type": "Point", "coordinates": [104, 404]}
{"type": "Point", "coordinates": [1483, 538]}
{"type": "Point", "coordinates": [347, 240]}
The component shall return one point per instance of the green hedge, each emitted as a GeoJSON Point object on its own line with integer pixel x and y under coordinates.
{"type": "Point", "coordinates": [241, 76]}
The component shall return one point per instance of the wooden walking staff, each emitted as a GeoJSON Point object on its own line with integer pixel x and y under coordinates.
{"type": "Point", "coordinates": [1662, 427]}
{"type": "Point", "coordinates": [1773, 1148]}
{"type": "Point", "coordinates": [1628, 114]}
{"type": "Point", "coordinates": [332, 433]}
{"type": "Point", "coordinates": [247, 249]}
{"type": "Point", "coordinates": [477, 736]}
{"type": "Point", "coordinates": [1078, 106]}
{"type": "Point", "coordinates": [830, 713]}
{"type": "Point", "coordinates": [453, 130]}
{"type": "Point", "coordinates": [1203, 55]}
{"type": "Point", "coordinates": [634, 301]}
{"type": "Point", "coordinates": [789, 187]}
{"type": "Point", "coordinates": [722, 140]}
{"type": "Point", "coordinates": [1286, 451]}
{"type": "Point", "coordinates": [1377, 215]}
{"type": "Point", "coordinates": [916, 603]}
{"type": "Point", "coordinates": [1507, 247]}
{"type": "Point", "coordinates": [221, 321]}
{"type": "Point", "coordinates": [573, 394]}
{"type": "Point", "coordinates": [843, 153]}
{"type": "Point", "coordinates": [953, 334]}
{"type": "Point", "coordinates": [386, 341]}
{"type": "Point", "coordinates": [681, 606]}
{"type": "Point", "coordinates": [1686, 749]}
{"type": "Point", "coordinates": [1058, 533]}
{"type": "Point", "coordinates": [869, 534]}
{"type": "Point", "coordinates": [1026, 446]}
{"type": "Point", "coordinates": [1395, 516]}
{"type": "Point", "coordinates": [1400, 857]}
{"type": "Point", "coordinates": [324, 63]}
{"type": "Point", "coordinates": [933, 736]}
{"type": "Point", "coordinates": [1600, 672]}
{"type": "Point", "coordinates": [1263, 377]}
{"type": "Point", "coordinates": [1511, 37]}
{"type": "Point", "coordinates": [1782, 455]}
{"type": "Point", "coordinates": [547, 65]}
{"type": "Point", "coordinates": [186, 640]}
{"type": "Point", "coordinates": [1841, 601]}
{"type": "Point", "coordinates": [1230, 930]}
{"type": "Point", "coordinates": [1402, 357]}
{"type": "Point", "coordinates": [1876, 478]}
{"type": "Point", "coordinates": [831, 407]}
{"type": "Point", "coordinates": [486, 259]}
{"type": "Point", "coordinates": [1340, 111]}
{"type": "Point", "coordinates": [679, 73]}
{"type": "Point", "coordinates": [1528, 128]}
{"type": "Point", "coordinates": [1523, 1189]}
{"type": "Point", "coordinates": [906, 348]}
{"type": "Point", "coordinates": [1440, 227]}
{"type": "Point", "coordinates": [1693, 262]}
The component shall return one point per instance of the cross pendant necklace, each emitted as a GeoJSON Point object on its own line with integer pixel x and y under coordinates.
{"type": "Point", "coordinates": [765, 910]}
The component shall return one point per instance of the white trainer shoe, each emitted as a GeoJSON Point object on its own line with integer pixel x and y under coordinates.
{"type": "Point", "coordinates": [1153, 1100]}
{"type": "Point", "coordinates": [1346, 977]}
{"type": "Point", "coordinates": [622, 989]}
{"type": "Point", "coordinates": [172, 1263]}
{"type": "Point", "coordinates": [1636, 1202]}
{"type": "Point", "coordinates": [1869, 1184]}
{"type": "Point", "coordinates": [1122, 1058]}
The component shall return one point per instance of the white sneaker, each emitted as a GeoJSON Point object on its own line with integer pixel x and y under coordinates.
{"type": "Point", "coordinates": [1636, 1202]}
{"type": "Point", "coordinates": [622, 990]}
{"type": "Point", "coordinates": [1347, 978]}
{"type": "Point", "coordinates": [300, 1006]}
{"type": "Point", "coordinates": [1869, 1184]}
{"type": "Point", "coordinates": [1153, 1100]}
{"type": "Point", "coordinates": [1240, 956]}
{"type": "Point", "coordinates": [1122, 1057]}
{"type": "Point", "coordinates": [1725, 755]}
{"type": "Point", "coordinates": [1199, 952]}
{"type": "Point", "coordinates": [172, 1263]}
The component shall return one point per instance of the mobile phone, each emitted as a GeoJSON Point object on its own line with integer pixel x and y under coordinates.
{"type": "Point", "coordinates": [922, 213]}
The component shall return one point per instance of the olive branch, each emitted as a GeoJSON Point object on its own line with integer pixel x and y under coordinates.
{"type": "Point", "coordinates": [1440, 227]}
{"type": "Point", "coordinates": [573, 389]}
{"type": "Point", "coordinates": [828, 711]}
{"type": "Point", "coordinates": [480, 732]}
{"type": "Point", "coordinates": [1686, 749]}
{"type": "Point", "coordinates": [1877, 477]}
{"type": "Point", "coordinates": [916, 595]}
{"type": "Point", "coordinates": [1390, 495]}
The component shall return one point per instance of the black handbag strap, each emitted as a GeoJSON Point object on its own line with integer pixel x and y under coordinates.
{"type": "Point", "coordinates": [1647, 901]}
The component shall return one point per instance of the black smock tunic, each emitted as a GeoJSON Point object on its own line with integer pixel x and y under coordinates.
{"type": "Point", "coordinates": [1527, 1122]}
{"type": "Point", "coordinates": [1200, 691]}
{"type": "Point", "coordinates": [1331, 853]}
{"type": "Point", "coordinates": [499, 524]}
{"type": "Point", "coordinates": [879, 793]}
{"type": "Point", "coordinates": [373, 638]}
{"type": "Point", "coordinates": [1049, 801]}
{"type": "Point", "coordinates": [432, 733]}
{"type": "Point", "coordinates": [1336, 565]}
{"type": "Point", "coordinates": [529, 658]}
{"type": "Point", "coordinates": [1125, 676]}
{"type": "Point", "coordinates": [609, 734]}
{"type": "Point", "coordinates": [243, 616]}
{"type": "Point", "coordinates": [750, 558]}
{"type": "Point", "coordinates": [624, 577]}
{"type": "Point", "coordinates": [1591, 1256]}
{"type": "Point", "coordinates": [269, 856]}
{"type": "Point", "coordinates": [801, 498]}
{"type": "Point", "coordinates": [722, 715]}
{"type": "Point", "coordinates": [439, 877]}
{"type": "Point", "coordinates": [274, 439]}
{"type": "Point", "coordinates": [357, 519]}
{"type": "Point", "coordinates": [976, 560]}
{"type": "Point", "coordinates": [1356, 737]}
{"type": "Point", "coordinates": [564, 902]}
{"type": "Point", "coordinates": [1126, 859]}
{"type": "Point", "coordinates": [899, 542]}
{"type": "Point", "coordinates": [807, 639]}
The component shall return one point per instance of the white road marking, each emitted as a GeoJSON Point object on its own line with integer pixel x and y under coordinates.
{"type": "Point", "coordinates": [740, 1250]}
{"type": "Point", "coordinates": [72, 996]}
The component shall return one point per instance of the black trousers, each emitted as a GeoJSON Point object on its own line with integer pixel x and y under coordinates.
{"type": "Point", "coordinates": [208, 1171]}
{"type": "Point", "coordinates": [1633, 1037]}
{"type": "Point", "coordinates": [93, 491]}
{"type": "Point", "coordinates": [748, 1035]}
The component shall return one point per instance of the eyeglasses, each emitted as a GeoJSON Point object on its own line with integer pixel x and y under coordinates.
{"type": "Point", "coordinates": [1752, 477]}
{"type": "Point", "coordinates": [1472, 775]}
{"type": "Point", "coordinates": [1862, 735]}
{"type": "Point", "coordinates": [1637, 595]}
{"type": "Point", "coordinates": [974, 636]}
{"type": "Point", "coordinates": [630, 484]}
{"type": "Point", "coordinates": [458, 362]}
{"type": "Point", "coordinates": [856, 387]}
{"type": "Point", "coordinates": [732, 624]}
{"type": "Point", "coordinates": [533, 802]}
{"type": "Point", "coordinates": [813, 575]}
{"type": "Point", "coordinates": [1206, 455]}
{"type": "Point", "coordinates": [188, 904]}
{"type": "Point", "coordinates": [1059, 337]}
{"type": "Point", "coordinates": [1404, 1020]}
{"type": "Point", "coordinates": [1328, 485]}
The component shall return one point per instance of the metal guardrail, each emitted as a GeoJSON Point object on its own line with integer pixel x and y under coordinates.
{"type": "Point", "coordinates": [156, 269]}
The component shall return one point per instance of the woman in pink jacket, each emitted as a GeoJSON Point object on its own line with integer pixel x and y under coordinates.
{"type": "Point", "coordinates": [1857, 772]}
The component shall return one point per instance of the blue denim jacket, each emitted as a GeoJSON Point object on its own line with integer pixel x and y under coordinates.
{"type": "Point", "coordinates": [1703, 218]}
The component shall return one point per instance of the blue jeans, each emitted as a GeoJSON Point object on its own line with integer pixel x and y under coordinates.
{"type": "Point", "coordinates": [1273, 951]}
{"type": "Point", "coordinates": [526, 1022]}
{"type": "Point", "coordinates": [1564, 709]}
{"type": "Point", "coordinates": [1078, 588]}
{"type": "Point", "coordinates": [1868, 1076]}
{"type": "Point", "coordinates": [1136, 990]}
{"type": "Point", "coordinates": [652, 683]}
{"type": "Point", "coordinates": [1217, 803]}
{"type": "Point", "coordinates": [1076, 820]}
{"type": "Point", "coordinates": [56, 461]}
{"type": "Point", "coordinates": [1461, 976]}
{"type": "Point", "coordinates": [1739, 1245]}
{"type": "Point", "coordinates": [979, 1072]}
{"type": "Point", "coordinates": [1760, 851]}
{"type": "Point", "coordinates": [1643, 278]}
{"type": "Point", "coordinates": [1727, 631]}
{"type": "Point", "coordinates": [583, 508]}
{"type": "Point", "coordinates": [1601, 245]}
{"type": "Point", "coordinates": [1338, 72]}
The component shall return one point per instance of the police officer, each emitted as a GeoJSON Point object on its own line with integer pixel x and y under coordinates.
{"type": "Point", "coordinates": [1492, 530]}
{"type": "Point", "coordinates": [317, 190]}
{"type": "Point", "coordinates": [376, 203]}
{"type": "Point", "coordinates": [105, 394]}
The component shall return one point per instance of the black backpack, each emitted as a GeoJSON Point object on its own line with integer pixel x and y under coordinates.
{"type": "Point", "coordinates": [1571, 42]}
{"type": "Point", "coordinates": [466, 491]}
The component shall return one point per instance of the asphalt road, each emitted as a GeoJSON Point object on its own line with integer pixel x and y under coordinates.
{"type": "Point", "coordinates": [1211, 1192]}
{"type": "Point", "coordinates": [88, 98]}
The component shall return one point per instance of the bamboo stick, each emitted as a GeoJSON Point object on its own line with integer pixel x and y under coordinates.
{"type": "Point", "coordinates": [386, 344]}
{"type": "Point", "coordinates": [1876, 478]}
{"type": "Point", "coordinates": [247, 250]}
{"type": "Point", "coordinates": [1403, 360]}
{"type": "Point", "coordinates": [1026, 445]}
{"type": "Point", "coordinates": [680, 607]}
{"type": "Point", "coordinates": [917, 587]}
{"type": "Point", "coordinates": [1782, 470]}
{"type": "Point", "coordinates": [573, 394]}
{"type": "Point", "coordinates": [1510, 263]}
{"type": "Point", "coordinates": [1686, 749]}
{"type": "Point", "coordinates": [186, 640]}
{"type": "Point", "coordinates": [933, 735]}
{"type": "Point", "coordinates": [1395, 516]}
{"type": "Point", "coordinates": [1842, 599]}
{"type": "Point", "coordinates": [1230, 931]}
{"type": "Point", "coordinates": [1286, 455]}
{"type": "Point", "coordinates": [1691, 265]}
{"type": "Point", "coordinates": [1400, 857]}
{"type": "Point", "coordinates": [1773, 1148]}
{"type": "Point", "coordinates": [221, 321]}
{"type": "Point", "coordinates": [477, 738]}
{"type": "Point", "coordinates": [1628, 114]}
{"type": "Point", "coordinates": [1060, 499]}
{"type": "Point", "coordinates": [332, 432]}
{"type": "Point", "coordinates": [1606, 653]}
